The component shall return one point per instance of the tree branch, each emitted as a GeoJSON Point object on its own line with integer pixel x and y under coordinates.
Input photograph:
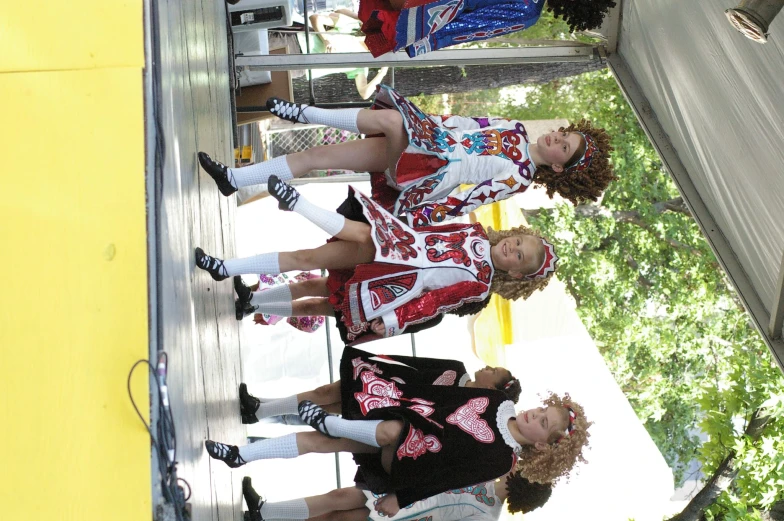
{"type": "Point", "coordinates": [725, 474]}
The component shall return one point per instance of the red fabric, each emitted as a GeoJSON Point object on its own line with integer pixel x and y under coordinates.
{"type": "Point", "coordinates": [338, 280]}
{"type": "Point", "coordinates": [451, 227]}
{"type": "Point", "coordinates": [416, 3]}
{"type": "Point", "coordinates": [381, 192]}
{"type": "Point", "coordinates": [379, 24]}
{"type": "Point", "coordinates": [412, 166]}
{"type": "Point", "coordinates": [336, 284]}
{"type": "Point", "coordinates": [437, 301]}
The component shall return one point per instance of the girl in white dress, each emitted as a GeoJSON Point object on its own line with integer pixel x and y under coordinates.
{"type": "Point", "coordinates": [481, 502]}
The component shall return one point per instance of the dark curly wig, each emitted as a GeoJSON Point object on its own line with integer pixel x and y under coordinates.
{"type": "Point", "coordinates": [512, 388]}
{"type": "Point", "coordinates": [581, 15]}
{"type": "Point", "coordinates": [525, 496]}
{"type": "Point", "coordinates": [583, 185]}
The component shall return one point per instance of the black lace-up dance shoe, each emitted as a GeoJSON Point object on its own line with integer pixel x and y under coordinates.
{"type": "Point", "coordinates": [218, 172]}
{"type": "Point", "coordinates": [287, 110]}
{"type": "Point", "coordinates": [228, 454]}
{"type": "Point", "coordinates": [286, 194]}
{"type": "Point", "coordinates": [210, 264]}
{"type": "Point", "coordinates": [314, 416]}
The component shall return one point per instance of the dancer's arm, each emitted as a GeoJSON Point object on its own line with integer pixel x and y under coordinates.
{"type": "Point", "coordinates": [431, 304]}
{"type": "Point", "coordinates": [469, 123]}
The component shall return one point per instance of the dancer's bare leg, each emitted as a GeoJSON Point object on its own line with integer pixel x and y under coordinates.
{"type": "Point", "coordinates": [390, 123]}
{"type": "Point", "coordinates": [357, 514]}
{"type": "Point", "coordinates": [387, 435]}
{"type": "Point", "coordinates": [361, 155]}
{"type": "Point", "coordinates": [309, 288]}
{"type": "Point", "coordinates": [311, 307]}
{"type": "Point", "coordinates": [341, 499]}
{"type": "Point", "coordinates": [315, 442]}
{"type": "Point", "coordinates": [333, 255]}
{"type": "Point", "coordinates": [324, 395]}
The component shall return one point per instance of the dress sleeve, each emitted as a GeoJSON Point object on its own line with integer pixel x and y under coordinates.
{"type": "Point", "coordinates": [469, 123]}
{"type": "Point", "coordinates": [503, 185]}
{"type": "Point", "coordinates": [480, 24]}
{"type": "Point", "coordinates": [431, 304]}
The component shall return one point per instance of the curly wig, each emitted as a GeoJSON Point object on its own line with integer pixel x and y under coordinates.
{"type": "Point", "coordinates": [580, 185]}
{"type": "Point", "coordinates": [581, 15]}
{"type": "Point", "coordinates": [563, 452]}
{"type": "Point", "coordinates": [503, 284]}
{"type": "Point", "coordinates": [525, 496]}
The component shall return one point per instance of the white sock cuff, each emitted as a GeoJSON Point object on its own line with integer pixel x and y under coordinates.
{"type": "Point", "coordinates": [260, 172]}
{"type": "Point", "coordinates": [291, 509]}
{"type": "Point", "coordinates": [363, 431]}
{"type": "Point", "coordinates": [345, 119]}
{"type": "Point", "coordinates": [278, 407]}
{"type": "Point", "coordinates": [283, 447]}
{"type": "Point", "coordinates": [279, 293]}
{"type": "Point", "coordinates": [266, 264]}
{"type": "Point", "coordinates": [281, 309]}
{"type": "Point", "coordinates": [328, 220]}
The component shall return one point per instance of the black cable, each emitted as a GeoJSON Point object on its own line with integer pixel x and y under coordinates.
{"type": "Point", "coordinates": [172, 492]}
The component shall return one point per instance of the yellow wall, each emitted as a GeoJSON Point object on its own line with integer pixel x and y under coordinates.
{"type": "Point", "coordinates": [493, 329]}
{"type": "Point", "coordinates": [73, 234]}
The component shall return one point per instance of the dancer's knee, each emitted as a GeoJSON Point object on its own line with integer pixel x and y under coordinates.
{"type": "Point", "coordinates": [391, 121]}
{"type": "Point", "coordinates": [388, 432]}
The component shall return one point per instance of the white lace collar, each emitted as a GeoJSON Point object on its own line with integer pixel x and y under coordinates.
{"type": "Point", "coordinates": [464, 380]}
{"type": "Point", "coordinates": [506, 411]}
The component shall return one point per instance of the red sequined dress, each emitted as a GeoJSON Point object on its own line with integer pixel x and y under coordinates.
{"type": "Point", "coordinates": [416, 274]}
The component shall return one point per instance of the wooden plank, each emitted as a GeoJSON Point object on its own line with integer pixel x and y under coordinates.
{"type": "Point", "coordinates": [198, 326]}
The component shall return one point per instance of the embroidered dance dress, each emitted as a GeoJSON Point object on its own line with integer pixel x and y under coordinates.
{"type": "Point", "coordinates": [452, 437]}
{"type": "Point", "coordinates": [416, 275]}
{"type": "Point", "coordinates": [473, 503]}
{"type": "Point", "coordinates": [423, 26]}
{"type": "Point", "coordinates": [446, 151]}
{"type": "Point", "coordinates": [417, 370]}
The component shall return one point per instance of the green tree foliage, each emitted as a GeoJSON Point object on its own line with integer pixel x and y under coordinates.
{"type": "Point", "coordinates": [657, 304]}
{"type": "Point", "coordinates": [661, 311]}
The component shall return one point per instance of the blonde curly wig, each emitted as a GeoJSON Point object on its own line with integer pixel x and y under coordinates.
{"type": "Point", "coordinates": [506, 286]}
{"type": "Point", "coordinates": [564, 451]}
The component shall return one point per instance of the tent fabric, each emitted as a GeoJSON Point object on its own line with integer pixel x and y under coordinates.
{"type": "Point", "coordinates": [719, 97]}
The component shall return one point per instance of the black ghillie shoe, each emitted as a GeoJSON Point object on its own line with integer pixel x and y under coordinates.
{"type": "Point", "coordinates": [286, 194]}
{"type": "Point", "coordinates": [252, 499]}
{"type": "Point", "coordinates": [249, 404]}
{"type": "Point", "coordinates": [314, 416]}
{"type": "Point", "coordinates": [211, 264]}
{"type": "Point", "coordinates": [228, 454]}
{"type": "Point", "coordinates": [253, 515]}
{"type": "Point", "coordinates": [218, 172]}
{"type": "Point", "coordinates": [242, 309]}
{"type": "Point", "coordinates": [287, 110]}
{"type": "Point", "coordinates": [243, 292]}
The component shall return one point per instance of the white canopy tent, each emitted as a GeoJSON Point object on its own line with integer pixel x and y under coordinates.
{"type": "Point", "coordinates": [712, 104]}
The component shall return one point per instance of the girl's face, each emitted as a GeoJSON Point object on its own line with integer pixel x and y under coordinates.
{"type": "Point", "coordinates": [542, 424]}
{"type": "Point", "coordinates": [492, 377]}
{"type": "Point", "coordinates": [558, 149]}
{"type": "Point", "coordinates": [518, 255]}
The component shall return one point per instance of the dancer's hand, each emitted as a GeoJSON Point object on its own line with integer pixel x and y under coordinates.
{"type": "Point", "coordinates": [377, 326]}
{"type": "Point", "coordinates": [387, 505]}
